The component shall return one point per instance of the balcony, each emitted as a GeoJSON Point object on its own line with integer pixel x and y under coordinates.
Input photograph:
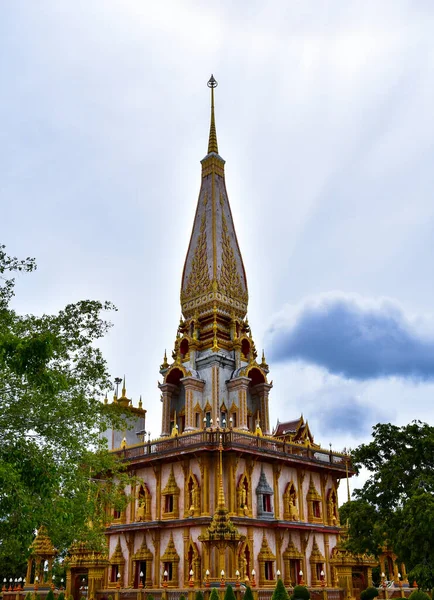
{"type": "Point", "coordinates": [243, 442]}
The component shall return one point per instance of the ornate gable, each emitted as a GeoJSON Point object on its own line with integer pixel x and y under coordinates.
{"type": "Point", "coordinates": [117, 558]}
{"type": "Point", "coordinates": [292, 552]}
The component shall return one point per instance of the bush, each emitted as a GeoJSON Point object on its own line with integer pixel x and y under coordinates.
{"type": "Point", "coordinates": [229, 594]}
{"type": "Point", "coordinates": [28, 596]}
{"type": "Point", "coordinates": [199, 595]}
{"type": "Point", "coordinates": [369, 594]}
{"type": "Point", "coordinates": [248, 594]}
{"type": "Point", "coordinates": [182, 597]}
{"type": "Point", "coordinates": [300, 593]}
{"type": "Point", "coordinates": [61, 596]}
{"type": "Point", "coordinates": [280, 592]}
{"type": "Point", "coordinates": [214, 594]}
{"type": "Point", "coordinates": [50, 595]}
{"type": "Point", "coordinates": [419, 595]}
{"type": "Point", "coordinates": [149, 597]}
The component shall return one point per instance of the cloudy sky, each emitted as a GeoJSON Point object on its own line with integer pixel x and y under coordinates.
{"type": "Point", "coordinates": [325, 118]}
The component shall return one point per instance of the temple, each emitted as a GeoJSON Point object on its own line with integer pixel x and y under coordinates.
{"type": "Point", "coordinates": [221, 496]}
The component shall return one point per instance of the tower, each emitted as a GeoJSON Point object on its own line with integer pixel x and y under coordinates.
{"type": "Point", "coordinates": [214, 376]}
{"type": "Point", "coordinates": [219, 496]}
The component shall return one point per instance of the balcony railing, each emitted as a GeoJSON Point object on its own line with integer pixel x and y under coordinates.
{"type": "Point", "coordinates": [231, 439]}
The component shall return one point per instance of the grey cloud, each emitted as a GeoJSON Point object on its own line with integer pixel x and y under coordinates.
{"type": "Point", "coordinates": [355, 338]}
{"type": "Point", "coordinates": [347, 415]}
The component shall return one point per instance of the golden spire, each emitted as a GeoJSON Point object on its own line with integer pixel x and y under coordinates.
{"type": "Point", "coordinates": [221, 528]}
{"type": "Point", "coordinates": [212, 143]}
{"type": "Point", "coordinates": [213, 269]}
{"type": "Point", "coordinates": [124, 389]}
{"type": "Point", "coordinates": [221, 503]}
{"type": "Point", "coordinates": [165, 364]}
{"type": "Point", "coordinates": [264, 362]}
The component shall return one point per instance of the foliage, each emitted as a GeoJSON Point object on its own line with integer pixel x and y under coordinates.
{"type": "Point", "coordinates": [28, 596]}
{"type": "Point", "coordinates": [300, 592]}
{"type": "Point", "coordinates": [395, 507]}
{"type": "Point", "coordinates": [376, 576]}
{"type": "Point", "coordinates": [199, 595]}
{"type": "Point", "coordinates": [229, 593]}
{"type": "Point", "coordinates": [419, 595]}
{"type": "Point", "coordinates": [61, 596]}
{"type": "Point", "coordinates": [149, 597]}
{"type": "Point", "coordinates": [182, 597]}
{"type": "Point", "coordinates": [369, 594]}
{"type": "Point", "coordinates": [50, 595]}
{"type": "Point", "coordinates": [214, 595]}
{"type": "Point", "coordinates": [52, 376]}
{"type": "Point", "coordinates": [280, 592]}
{"type": "Point", "coordinates": [248, 594]}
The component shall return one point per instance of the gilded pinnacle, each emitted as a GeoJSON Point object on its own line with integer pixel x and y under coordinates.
{"type": "Point", "coordinates": [221, 497]}
{"type": "Point", "coordinates": [212, 143]}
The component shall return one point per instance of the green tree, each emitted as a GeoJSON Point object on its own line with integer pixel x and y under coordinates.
{"type": "Point", "coordinates": [54, 467]}
{"type": "Point", "coordinates": [199, 595]}
{"type": "Point", "coordinates": [248, 594]}
{"type": "Point", "coordinates": [395, 507]}
{"type": "Point", "coordinates": [369, 594]}
{"type": "Point", "coordinates": [214, 595]}
{"type": "Point", "coordinates": [229, 593]}
{"type": "Point", "coordinates": [300, 593]}
{"type": "Point", "coordinates": [280, 592]}
{"type": "Point", "coordinates": [419, 595]}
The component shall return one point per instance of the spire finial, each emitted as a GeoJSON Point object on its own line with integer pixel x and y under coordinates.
{"type": "Point", "coordinates": [221, 496]}
{"type": "Point", "coordinates": [212, 143]}
{"type": "Point", "coordinates": [124, 389]}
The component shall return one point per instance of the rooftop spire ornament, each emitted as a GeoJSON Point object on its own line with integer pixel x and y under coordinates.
{"type": "Point", "coordinates": [212, 143]}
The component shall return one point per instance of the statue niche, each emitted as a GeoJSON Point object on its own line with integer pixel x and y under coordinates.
{"type": "Point", "coordinates": [192, 496]}
{"type": "Point", "coordinates": [332, 508]}
{"type": "Point", "coordinates": [144, 504]}
{"type": "Point", "coordinates": [290, 512]}
{"type": "Point", "coordinates": [243, 503]}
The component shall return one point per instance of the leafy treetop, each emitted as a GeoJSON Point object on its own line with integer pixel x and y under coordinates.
{"type": "Point", "coordinates": [395, 507]}
{"type": "Point", "coordinates": [54, 466]}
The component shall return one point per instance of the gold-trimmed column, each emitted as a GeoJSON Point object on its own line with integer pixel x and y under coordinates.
{"type": "Point", "coordinates": [215, 411]}
{"type": "Point", "coordinates": [192, 386]}
{"type": "Point", "coordinates": [157, 474]}
{"type": "Point", "coordinates": [327, 559]}
{"type": "Point", "coordinates": [232, 483]}
{"type": "Point", "coordinates": [263, 391]}
{"type": "Point", "coordinates": [324, 479]}
{"type": "Point", "coordinates": [167, 389]}
{"type": "Point", "coordinates": [276, 474]}
{"type": "Point", "coordinates": [156, 541]}
{"type": "Point", "coordinates": [240, 385]}
{"type": "Point", "coordinates": [301, 498]}
{"type": "Point", "coordinates": [204, 472]}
